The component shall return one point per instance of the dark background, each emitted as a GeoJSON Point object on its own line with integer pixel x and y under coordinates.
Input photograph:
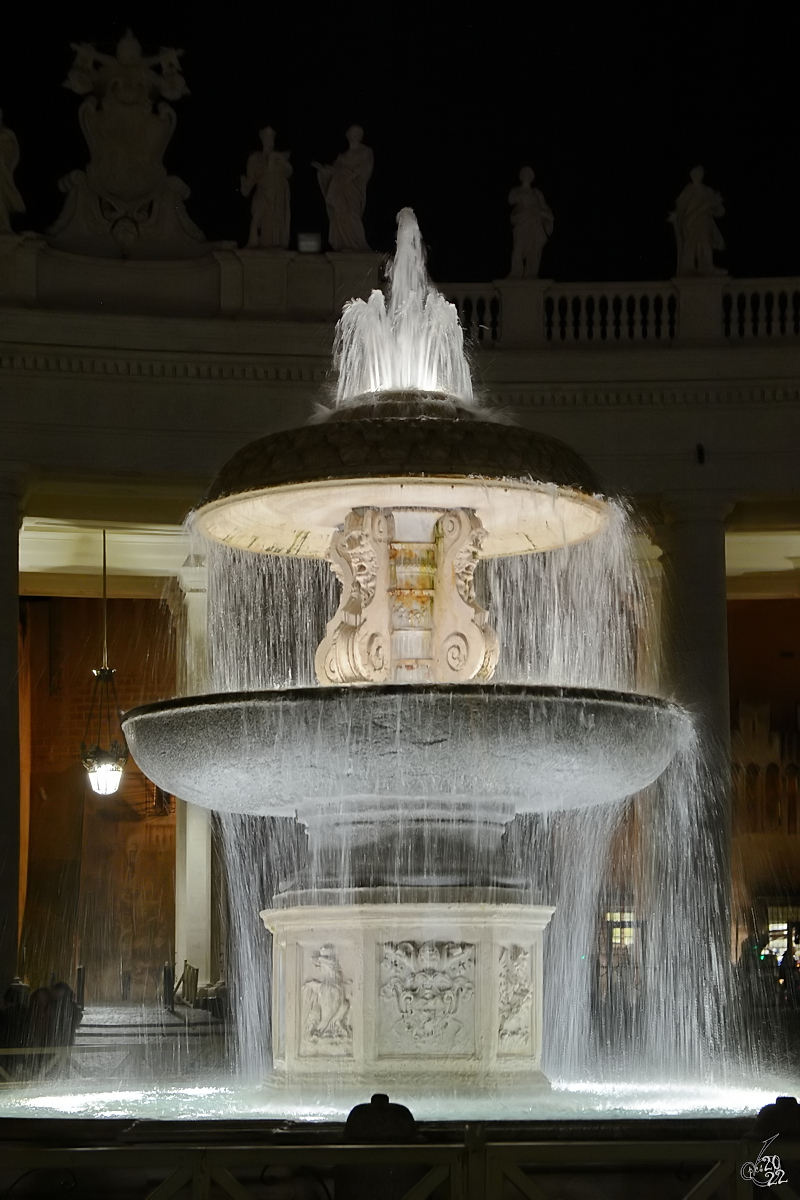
{"type": "Point", "coordinates": [611, 105]}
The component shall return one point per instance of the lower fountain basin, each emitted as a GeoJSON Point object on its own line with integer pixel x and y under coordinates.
{"type": "Point", "coordinates": [419, 748]}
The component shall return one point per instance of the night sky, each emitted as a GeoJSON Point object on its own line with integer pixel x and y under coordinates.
{"type": "Point", "coordinates": [610, 104]}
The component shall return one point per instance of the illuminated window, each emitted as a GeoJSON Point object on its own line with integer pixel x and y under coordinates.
{"type": "Point", "coordinates": [621, 927]}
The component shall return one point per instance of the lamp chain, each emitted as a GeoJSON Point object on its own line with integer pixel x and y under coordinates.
{"type": "Point", "coordinates": [105, 607]}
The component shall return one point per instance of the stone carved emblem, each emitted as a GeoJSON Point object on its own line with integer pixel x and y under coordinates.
{"type": "Point", "coordinates": [125, 204]}
{"type": "Point", "coordinates": [427, 996]}
{"type": "Point", "coordinates": [325, 1007]}
{"type": "Point", "coordinates": [515, 1000]}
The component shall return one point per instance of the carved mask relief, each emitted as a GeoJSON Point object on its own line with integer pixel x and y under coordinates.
{"type": "Point", "coordinates": [427, 998]}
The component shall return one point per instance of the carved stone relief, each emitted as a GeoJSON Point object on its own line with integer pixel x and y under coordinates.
{"type": "Point", "coordinates": [515, 1025]}
{"type": "Point", "coordinates": [465, 645]}
{"type": "Point", "coordinates": [326, 1029]}
{"type": "Point", "coordinates": [355, 648]}
{"type": "Point", "coordinates": [125, 204]}
{"type": "Point", "coordinates": [427, 999]}
{"type": "Point", "coordinates": [408, 611]}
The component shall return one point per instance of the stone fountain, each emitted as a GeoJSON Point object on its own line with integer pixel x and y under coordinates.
{"type": "Point", "coordinates": [405, 951]}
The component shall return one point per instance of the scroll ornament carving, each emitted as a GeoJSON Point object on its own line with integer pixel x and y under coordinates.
{"type": "Point", "coordinates": [355, 649]}
{"type": "Point", "coordinates": [428, 983]}
{"type": "Point", "coordinates": [466, 646]}
{"type": "Point", "coordinates": [516, 999]}
{"type": "Point", "coordinates": [325, 1000]}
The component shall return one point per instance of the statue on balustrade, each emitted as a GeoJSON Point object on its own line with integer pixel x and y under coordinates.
{"type": "Point", "coordinates": [125, 205]}
{"type": "Point", "coordinates": [10, 199]}
{"type": "Point", "coordinates": [344, 186]}
{"type": "Point", "coordinates": [531, 226]}
{"type": "Point", "coordinates": [267, 177]}
{"type": "Point", "coordinates": [696, 231]}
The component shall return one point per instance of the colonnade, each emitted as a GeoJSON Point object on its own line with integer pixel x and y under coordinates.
{"type": "Point", "coordinates": [692, 541]}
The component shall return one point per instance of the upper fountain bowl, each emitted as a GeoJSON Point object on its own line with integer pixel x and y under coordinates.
{"type": "Point", "coordinates": [287, 492]}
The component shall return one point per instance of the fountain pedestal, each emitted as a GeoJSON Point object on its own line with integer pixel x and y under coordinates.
{"type": "Point", "coordinates": [376, 992]}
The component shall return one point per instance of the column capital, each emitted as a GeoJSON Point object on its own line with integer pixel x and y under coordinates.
{"type": "Point", "coordinates": [193, 575]}
{"type": "Point", "coordinates": [680, 508]}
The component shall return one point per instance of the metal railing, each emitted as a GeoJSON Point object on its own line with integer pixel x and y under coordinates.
{"type": "Point", "coordinates": [470, 1168]}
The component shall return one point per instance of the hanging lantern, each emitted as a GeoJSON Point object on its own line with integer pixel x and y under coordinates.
{"type": "Point", "coordinates": [105, 757]}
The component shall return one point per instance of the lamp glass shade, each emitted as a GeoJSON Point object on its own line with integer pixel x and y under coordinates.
{"type": "Point", "coordinates": [105, 777]}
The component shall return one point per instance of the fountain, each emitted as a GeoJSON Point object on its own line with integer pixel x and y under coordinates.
{"type": "Point", "coordinates": [407, 945]}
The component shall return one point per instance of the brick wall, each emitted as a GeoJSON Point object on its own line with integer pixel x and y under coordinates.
{"type": "Point", "coordinates": [100, 886]}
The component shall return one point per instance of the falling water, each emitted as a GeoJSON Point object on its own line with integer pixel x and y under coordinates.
{"type": "Point", "coordinates": [578, 616]}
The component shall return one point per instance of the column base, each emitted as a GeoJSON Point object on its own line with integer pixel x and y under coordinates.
{"type": "Point", "coordinates": [428, 998]}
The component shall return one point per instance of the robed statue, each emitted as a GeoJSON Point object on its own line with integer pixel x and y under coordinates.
{"type": "Point", "coordinates": [125, 204]}
{"type": "Point", "coordinates": [344, 186]}
{"type": "Point", "coordinates": [531, 226]}
{"type": "Point", "coordinates": [10, 199]}
{"type": "Point", "coordinates": [696, 231]}
{"type": "Point", "coordinates": [267, 177]}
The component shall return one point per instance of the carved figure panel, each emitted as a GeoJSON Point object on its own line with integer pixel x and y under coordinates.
{"type": "Point", "coordinates": [427, 999]}
{"type": "Point", "coordinates": [326, 989]}
{"type": "Point", "coordinates": [515, 1024]}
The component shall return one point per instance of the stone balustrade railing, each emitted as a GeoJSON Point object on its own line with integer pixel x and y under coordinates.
{"type": "Point", "coordinates": [478, 307]}
{"type": "Point", "coordinates": [228, 282]}
{"type": "Point", "coordinates": [695, 308]}
{"type": "Point", "coordinates": [761, 308]}
{"type": "Point", "coordinates": [610, 312]}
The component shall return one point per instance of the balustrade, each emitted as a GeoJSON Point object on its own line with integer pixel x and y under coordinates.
{"type": "Point", "coordinates": [761, 308]}
{"type": "Point", "coordinates": [614, 313]}
{"type": "Point", "coordinates": [642, 313]}
{"type": "Point", "coordinates": [478, 308]}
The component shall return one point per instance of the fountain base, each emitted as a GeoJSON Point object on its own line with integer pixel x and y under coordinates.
{"type": "Point", "coordinates": [440, 991]}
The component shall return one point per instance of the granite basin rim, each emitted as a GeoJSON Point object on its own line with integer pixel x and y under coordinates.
{"type": "Point", "coordinates": [536, 748]}
{"type": "Point", "coordinates": [285, 493]}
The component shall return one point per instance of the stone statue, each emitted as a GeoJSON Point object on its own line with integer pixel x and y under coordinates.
{"type": "Point", "coordinates": [344, 186]}
{"type": "Point", "coordinates": [696, 231]}
{"type": "Point", "coordinates": [10, 199]}
{"type": "Point", "coordinates": [531, 225]}
{"type": "Point", "coordinates": [124, 204]}
{"type": "Point", "coordinates": [267, 177]}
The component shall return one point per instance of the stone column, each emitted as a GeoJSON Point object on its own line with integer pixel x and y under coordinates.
{"type": "Point", "coordinates": [695, 627]}
{"type": "Point", "coordinates": [12, 486]}
{"type": "Point", "coordinates": [193, 824]}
